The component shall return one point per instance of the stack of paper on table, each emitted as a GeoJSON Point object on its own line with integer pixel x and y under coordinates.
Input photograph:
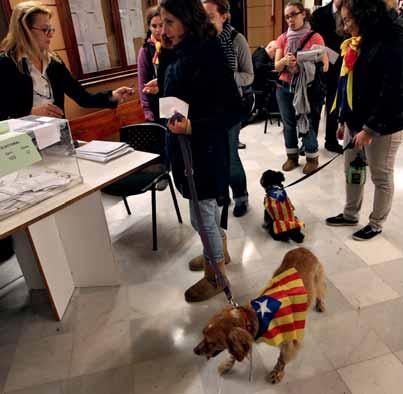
{"type": "Point", "coordinates": [102, 151]}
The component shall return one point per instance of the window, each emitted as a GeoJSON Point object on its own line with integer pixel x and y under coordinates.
{"type": "Point", "coordinates": [103, 37]}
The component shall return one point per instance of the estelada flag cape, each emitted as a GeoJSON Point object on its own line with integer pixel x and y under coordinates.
{"type": "Point", "coordinates": [281, 309]}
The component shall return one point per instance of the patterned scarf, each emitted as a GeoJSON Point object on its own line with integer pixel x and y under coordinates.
{"type": "Point", "coordinates": [296, 37]}
{"type": "Point", "coordinates": [344, 96]}
{"type": "Point", "coordinates": [157, 45]}
{"type": "Point", "coordinates": [226, 41]}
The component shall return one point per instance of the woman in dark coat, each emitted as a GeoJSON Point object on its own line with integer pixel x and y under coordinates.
{"type": "Point", "coordinates": [193, 69]}
{"type": "Point", "coordinates": [370, 107]}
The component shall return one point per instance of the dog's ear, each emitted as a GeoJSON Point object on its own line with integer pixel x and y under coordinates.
{"type": "Point", "coordinates": [239, 343]}
{"type": "Point", "coordinates": [263, 180]}
{"type": "Point", "coordinates": [281, 176]}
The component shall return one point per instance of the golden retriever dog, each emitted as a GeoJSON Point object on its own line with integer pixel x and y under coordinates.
{"type": "Point", "coordinates": [235, 329]}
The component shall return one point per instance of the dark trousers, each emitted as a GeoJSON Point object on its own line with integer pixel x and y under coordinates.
{"type": "Point", "coordinates": [237, 172]}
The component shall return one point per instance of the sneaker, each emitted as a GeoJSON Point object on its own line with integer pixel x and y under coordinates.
{"type": "Point", "coordinates": [366, 233]}
{"type": "Point", "coordinates": [240, 209]}
{"type": "Point", "coordinates": [340, 220]}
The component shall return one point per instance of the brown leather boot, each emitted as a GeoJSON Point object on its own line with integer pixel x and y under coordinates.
{"type": "Point", "coordinates": [312, 163]}
{"type": "Point", "coordinates": [291, 163]}
{"type": "Point", "coordinates": [206, 287]}
{"type": "Point", "coordinates": [197, 263]}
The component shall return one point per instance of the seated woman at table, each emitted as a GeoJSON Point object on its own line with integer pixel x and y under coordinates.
{"type": "Point", "coordinates": [34, 79]}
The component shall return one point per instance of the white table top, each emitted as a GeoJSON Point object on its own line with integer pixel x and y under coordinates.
{"type": "Point", "coordinates": [95, 177]}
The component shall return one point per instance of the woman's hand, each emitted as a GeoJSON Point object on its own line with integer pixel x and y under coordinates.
{"type": "Point", "coordinates": [361, 139]}
{"type": "Point", "coordinates": [47, 110]}
{"type": "Point", "coordinates": [290, 60]}
{"type": "Point", "coordinates": [151, 87]}
{"type": "Point", "coordinates": [179, 125]}
{"type": "Point", "coordinates": [122, 94]}
{"type": "Point", "coordinates": [340, 132]}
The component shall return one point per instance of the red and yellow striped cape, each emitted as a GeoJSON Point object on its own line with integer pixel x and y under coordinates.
{"type": "Point", "coordinates": [282, 214]}
{"type": "Point", "coordinates": [289, 321]}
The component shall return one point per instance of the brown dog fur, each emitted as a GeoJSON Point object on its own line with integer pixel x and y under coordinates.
{"type": "Point", "coordinates": [234, 329]}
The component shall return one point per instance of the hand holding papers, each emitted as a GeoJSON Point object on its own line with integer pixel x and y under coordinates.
{"type": "Point", "coordinates": [102, 151]}
{"type": "Point", "coordinates": [171, 105]}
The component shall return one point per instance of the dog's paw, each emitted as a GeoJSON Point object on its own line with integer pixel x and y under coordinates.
{"type": "Point", "coordinates": [320, 306]}
{"type": "Point", "coordinates": [275, 376]}
{"type": "Point", "coordinates": [225, 366]}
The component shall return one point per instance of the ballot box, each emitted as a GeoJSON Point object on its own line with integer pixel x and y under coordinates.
{"type": "Point", "coordinates": [37, 161]}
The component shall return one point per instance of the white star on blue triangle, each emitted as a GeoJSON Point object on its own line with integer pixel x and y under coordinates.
{"type": "Point", "coordinates": [277, 193]}
{"type": "Point", "coordinates": [266, 308]}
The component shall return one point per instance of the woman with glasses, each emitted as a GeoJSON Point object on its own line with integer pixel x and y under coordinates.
{"type": "Point", "coordinates": [369, 105]}
{"type": "Point", "coordinates": [299, 36]}
{"type": "Point", "coordinates": [33, 79]}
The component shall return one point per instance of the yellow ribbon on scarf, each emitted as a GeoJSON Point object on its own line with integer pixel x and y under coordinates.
{"type": "Point", "coordinates": [354, 44]}
{"type": "Point", "coordinates": [157, 44]}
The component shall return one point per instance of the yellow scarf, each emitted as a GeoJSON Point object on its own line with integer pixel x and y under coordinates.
{"type": "Point", "coordinates": [349, 52]}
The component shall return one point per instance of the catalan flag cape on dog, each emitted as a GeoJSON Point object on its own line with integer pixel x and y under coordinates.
{"type": "Point", "coordinates": [281, 211]}
{"type": "Point", "coordinates": [281, 309]}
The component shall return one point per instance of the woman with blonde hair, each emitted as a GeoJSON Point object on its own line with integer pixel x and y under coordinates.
{"type": "Point", "coordinates": [34, 80]}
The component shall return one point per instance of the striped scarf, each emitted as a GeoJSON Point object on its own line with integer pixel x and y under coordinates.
{"type": "Point", "coordinates": [343, 101]}
{"type": "Point", "coordinates": [157, 45]}
{"type": "Point", "coordinates": [226, 41]}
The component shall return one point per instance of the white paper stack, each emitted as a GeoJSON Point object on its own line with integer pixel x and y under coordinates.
{"type": "Point", "coordinates": [103, 151]}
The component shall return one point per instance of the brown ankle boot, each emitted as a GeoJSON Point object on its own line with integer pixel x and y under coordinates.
{"type": "Point", "coordinates": [206, 287]}
{"type": "Point", "coordinates": [197, 263]}
{"type": "Point", "coordinates": [291, 163]}
{"type": "Point", "coordinates": [312, 163]}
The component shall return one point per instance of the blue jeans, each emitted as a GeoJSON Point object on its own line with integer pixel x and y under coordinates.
{"type": "Point", "coordinates": [237, 173]}
{"type": "Point", "coordinates": [211, 219]}
{"type": "Point", "coordinates": [287, 111]}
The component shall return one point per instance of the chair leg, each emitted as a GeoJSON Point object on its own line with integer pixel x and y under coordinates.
{"type": "Point", "coordinates": [154, 217]}
{"type": "Point", "coordinates": [129, 212]}
{"type": "Point", "coordinates": [266, 124]}
{"type": "Point", "coordinates": [171, 188]}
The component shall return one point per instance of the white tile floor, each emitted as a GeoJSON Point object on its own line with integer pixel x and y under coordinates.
{"type": "Point", "coordinates": [138, 338]}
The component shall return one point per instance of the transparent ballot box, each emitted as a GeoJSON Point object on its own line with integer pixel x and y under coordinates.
{"type": "Point", "coordinates": [37, 161]}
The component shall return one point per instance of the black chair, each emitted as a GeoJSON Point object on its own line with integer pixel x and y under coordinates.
{"type": "Point", "coordinates": [272, 110]}
{"type": "Point", "coordinates": [146, 137]}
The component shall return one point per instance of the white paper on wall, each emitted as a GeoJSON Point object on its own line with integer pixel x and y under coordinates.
{"type": "Point", "coordinates": [102, 56]}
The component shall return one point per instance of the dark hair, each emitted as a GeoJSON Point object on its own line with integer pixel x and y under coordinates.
{"type": "Point", "coordinates": [301, 8]}
{"type": "Point", "coordinates": [223, 6]}
{"type": "Point", "coordinates": [191, 13]}
{"type": "Point", "coordinates": [371, 16]}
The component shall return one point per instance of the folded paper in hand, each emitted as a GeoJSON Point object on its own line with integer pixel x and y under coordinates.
{"type": "Point", "coordinates": [311, 55]}
{"type": "Point", "coordinates": [333, 55]}
{"type": "Point", "coordinates": [170, 105]}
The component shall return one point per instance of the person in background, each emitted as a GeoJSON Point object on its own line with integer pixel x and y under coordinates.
{"type": "Point", "coordinates": [370, 114]}
{"type": "Point", "coordinates": [326, 21]}
{"type": "Point", "coordinates": [400, 8]}
{"type": "Point", "coordinates": [148, 61]}
{"type": "Point", "coordinates": [299, 36]}
{"type": "Point", "coordinates": [236, 50]}
{"type": "Point", "coordinates": [34, 80]}
{"type": "Point", "coordinates": [193, 69]}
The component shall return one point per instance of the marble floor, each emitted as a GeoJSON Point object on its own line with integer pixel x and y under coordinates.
{"type": "Point", "coordinates": [138, 338]}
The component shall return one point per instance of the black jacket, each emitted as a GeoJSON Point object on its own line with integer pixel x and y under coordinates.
{"type": "Point", "coordinates": [378, 82]}
{"type": "Point", "coordinates": [197, 73]}
{"type": "Point", "coordinates": [16, 96]}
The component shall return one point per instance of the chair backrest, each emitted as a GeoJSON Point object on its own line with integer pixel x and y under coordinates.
{"type": "Point", "coordinates": [145, 137]}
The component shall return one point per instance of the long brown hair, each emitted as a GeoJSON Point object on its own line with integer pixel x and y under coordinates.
{"type": "Point", "coordinates": [19, 41]}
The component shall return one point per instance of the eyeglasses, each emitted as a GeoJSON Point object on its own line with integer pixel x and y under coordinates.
{"type": "Point", "coordinates": [292, 15]}
{"type": "Point", "coordinates": [45, 30]}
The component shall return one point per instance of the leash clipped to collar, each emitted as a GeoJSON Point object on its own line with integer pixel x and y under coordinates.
{"type": "Point", "coordinates": [349, 146]}
{"type": "Point", "coordinates": [187, 159]}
